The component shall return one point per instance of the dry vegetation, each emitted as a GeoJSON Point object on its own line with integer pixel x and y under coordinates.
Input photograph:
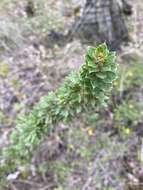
{"type": "Point", "coordinates": [100, 151]}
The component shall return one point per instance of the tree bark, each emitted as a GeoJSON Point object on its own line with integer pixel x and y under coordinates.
{"type": "Point", "coordinates": [102, 21]}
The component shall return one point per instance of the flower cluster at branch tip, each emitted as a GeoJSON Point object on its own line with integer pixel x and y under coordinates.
{"type": "Point", "coordinates": [101, 57]}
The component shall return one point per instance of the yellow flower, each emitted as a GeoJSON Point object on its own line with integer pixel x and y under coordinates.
{"type": "Point", "coordinates": [131, 106]}
{"type": "Point", "coordinates": [130, 74]}
{"type": "Point", "coordinates": [90, 131]}
{"type": "Point", "coordinates": [127, 131]}
{"type": "Point", "coordinates": [4, 69]}
{"type": "Point", "coordinates": [71, 147]}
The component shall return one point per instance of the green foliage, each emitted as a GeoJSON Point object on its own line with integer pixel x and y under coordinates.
{"type": "Point", "coordinates": [2, 117]}
{"type": "Point", "coordinates": [129, 113]}
{"type": "Point", "coordinates": [43, 21]}
{"type": "Point", "coordinates": [4, 69]}
{"type": "Point", "coordinates": [130, 75]}
{"type": "Point", "coordinates": [82, 92]}
{"type": "Point", "coordinates": [61, 170]}
{"type": "Point", "coordinates": [128, 95]}
{"type": "Point", "coordinates": [83, 150]}
{"type": "Point", "coordinates": [14, 28]}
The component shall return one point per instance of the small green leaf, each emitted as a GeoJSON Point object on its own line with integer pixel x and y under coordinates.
{"type": "Point", "coordinates": [101, 75]}
{"type": "Point", "coordinates": [91, 53]}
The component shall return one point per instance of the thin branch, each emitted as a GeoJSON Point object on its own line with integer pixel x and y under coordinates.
{"type": "Point", "coordinates": [93, 172]}
{"type": "Point", "coordinates": [46, 187]}
{"type": "Point", "coordinates": [27, 182]}
{"type": "Point", "coordinates": [13, 186]}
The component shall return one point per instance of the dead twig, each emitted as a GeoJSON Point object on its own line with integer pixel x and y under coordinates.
{"type": "Point", "coordinates": [31, 183]}
{"type": "Point", "coordinates": [13, 186]}
{"type": "Point", "coordinates": [46, 187]}
{"type": "Point", "coordinates": [93, 172]}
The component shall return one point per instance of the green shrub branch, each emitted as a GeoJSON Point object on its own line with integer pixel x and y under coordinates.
{"type": "Point", "coordinates": [82, 91]}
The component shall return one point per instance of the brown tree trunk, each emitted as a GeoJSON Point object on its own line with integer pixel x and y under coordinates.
{"type": "Point", "coordinates": [102, 21]}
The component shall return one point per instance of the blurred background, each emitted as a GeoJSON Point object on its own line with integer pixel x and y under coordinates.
{"type": "Point", "coordinates": [41, 42]}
